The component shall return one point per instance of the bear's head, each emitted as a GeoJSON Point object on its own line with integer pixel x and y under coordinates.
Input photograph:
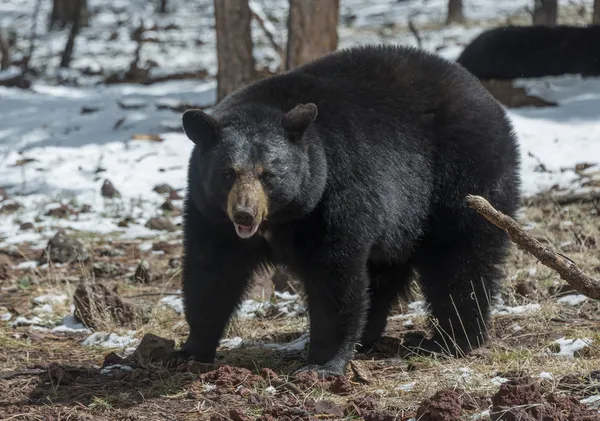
{"type": "Point", "coordinates": [252, 161]}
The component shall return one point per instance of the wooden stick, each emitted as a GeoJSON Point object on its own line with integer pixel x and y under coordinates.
{"type": "Point", "coordinates": [566, 268]}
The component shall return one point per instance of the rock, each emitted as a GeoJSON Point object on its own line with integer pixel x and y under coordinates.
{"type": "Point", "coordinates": [85, 209]}
{"type": "Point", "coordinates": [63, 249]}
{"type": "Point", "coordinates": [112, 359]}
{"type": "Point", "coordinates": [237, 415]}
{"type": "Point", "coordinates": [61, 212]}
{"type": "Point", "coordinates": [525, 289]}
{"type": "Point", "coordinates": [108, 190]}
{"type": "Point", "coordinates": [152, 348]}
{"type": "Point", "coordinates": [163, 189]}
{"type": "Point", "coordinates": [5, 267]}
{"type": "Point", "coordinates": [324, 407]}
{"type": "Point", "coordinates": [174, 195]}
{"type": "Point", "coordinates": [125, 222]}
{"type": "Point", "coordinates": [107, 269]}
{"type": "Point", "coordinates": [95, 303]}
{"type": "Point", "coordinates": [163, 246]}
{"type": "Point", "coordinates": [25, 226]}
{"type": "Point", "coordinates": [169, 206]}
{"type": "Point", "coordinates": [160, 224]}
{"type": "Point", "coordinates": [517, 400]}
{"type": "Point", "coordinates": [9, 208]}
{"type": "Point", "coordinates": [174, 263]}
{"type": "Point", "coordinates": [445, 405]}
{"type": "Point", "coordinates": [144, 273]}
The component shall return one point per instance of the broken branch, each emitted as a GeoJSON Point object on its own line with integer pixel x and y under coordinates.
{"type": "Point", "coordinates": [566, 268]}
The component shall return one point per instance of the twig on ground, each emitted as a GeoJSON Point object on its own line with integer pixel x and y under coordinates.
{"type": "Point", "coordinates": [565, 267]}
{"type": "Point", "coordinates": [22, 373]}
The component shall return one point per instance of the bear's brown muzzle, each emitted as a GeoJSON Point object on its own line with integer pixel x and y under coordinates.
{"type": "Point", "coordinates": [247, 204]}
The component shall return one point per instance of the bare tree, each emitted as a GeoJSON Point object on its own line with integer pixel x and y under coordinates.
{"type": "Point", "coordinates": [65, 12]}
{"type": "Point", "coordinates": [75, 24]}
{"type": "Point", "coordinates": [234, 46]}
{"type": "Point", "coordinates": [596, 18]}
{"type": "Point", "coordinates": [545, 12]}
{"type": "Point", "coordinates": [312, 30]}
{"type": "Point", "coordinates": [4, 52]}
{"type": "Point", "coordinates": [455, 12]}
{"type": "Point", "coordinates": [163, 6]}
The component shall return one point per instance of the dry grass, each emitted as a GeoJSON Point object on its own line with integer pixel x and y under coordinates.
{"type": "Point", "coordinates": [520, 343]}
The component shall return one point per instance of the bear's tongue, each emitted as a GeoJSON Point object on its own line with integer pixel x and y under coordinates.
{"type": "Point", "coordinates": [245, 232]}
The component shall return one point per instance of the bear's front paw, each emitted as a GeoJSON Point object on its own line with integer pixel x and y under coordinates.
{"type": "Point", "coordinates": [177, 358]}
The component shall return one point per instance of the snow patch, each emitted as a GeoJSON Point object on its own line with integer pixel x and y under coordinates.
{"type": "Point", "coordinates": [173, 301]}
{"type": "Point", "coordinates": [573, 299]}
{"type": "Point", "coordinates": [405, 387]}
{"type": "Point", "coordinates": [70, 324]}
{"type": "Point", "coordinates": [568, 347]}
{"type": "Point", "coordinates": [110, 340]}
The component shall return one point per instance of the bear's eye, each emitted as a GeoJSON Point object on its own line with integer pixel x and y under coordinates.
{"type": "Point", "coordinates": [267, 176]}
{"type": "Point", "coordinates": [229, 174]}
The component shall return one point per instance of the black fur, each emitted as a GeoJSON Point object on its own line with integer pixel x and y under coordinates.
{"type": "Point", "coordinates": [533, 51]}
{"type": "Point", "coordinates": [372, 190]}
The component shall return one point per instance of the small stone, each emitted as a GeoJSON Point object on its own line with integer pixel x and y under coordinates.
{"type": "Point", "coordinates": [153, 348]}
{"type": "Point", "coordinates": [61, 212]}
{"type": "Point", "coordinates": [174, 263]}
{"type": "Point", "coordinates": [168, 206]}
{"type": "Point", "coordinates": [63, 249]}
{"type": "Point", "coordinates": [112, 359]}
{"type": "Point", "coordinates": [85, 209]}
{"type": "Point", "coordinates": [324, 407]}
{"type": "Point", "coordinates": [123, 223]}
{"type": "Point", "coordinates": [107, 269]}
{"type": "Point", "coordinates": [160, 224]}
{"type": "Point", "coordinates": [163, 189]}
{"type": "Point", "coordinates": [25, 226]}
{"type": "Point", "coordinates": [174, 195]}
{"type": "Point", "coordinates": [163, 246]}
{"type": "Point", "coordinates": [144, 273]}
{"type": "Point", "coordinates": [445, 405]}
{"type": "Point", "coordinates": [10, 208]}
{"type": "Point", "coordinates": [237, 415]}
{"type": "Point", "coordinates": [108, 190]}
{"type": "Point", "coordinates": [525, 289]}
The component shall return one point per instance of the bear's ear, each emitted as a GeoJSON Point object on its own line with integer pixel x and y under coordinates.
{"type": "Point", "coordinates": [297, 120]}
{"type": "Point", "coordinates": [200, 128]}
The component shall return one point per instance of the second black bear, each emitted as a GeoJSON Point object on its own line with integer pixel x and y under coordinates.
{"type": "Point", "coordinates": [514, 52]}
{"type": "Point", "coordinates": [352, 171]}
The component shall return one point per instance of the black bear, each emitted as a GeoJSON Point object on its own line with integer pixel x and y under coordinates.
{"type": "Point", "coordinates": [351, 171]}
{"type": "Point", "coordinates": [533, 51]}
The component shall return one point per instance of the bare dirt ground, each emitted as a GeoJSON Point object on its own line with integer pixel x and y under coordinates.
{"type": "Point", "coordinates": [522, 374]}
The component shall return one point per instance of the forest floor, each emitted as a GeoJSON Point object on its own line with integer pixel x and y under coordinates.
{"type": "Point", "coordinates": [544, 345]}
{"type": "Point", "coordinates": [98, 152]}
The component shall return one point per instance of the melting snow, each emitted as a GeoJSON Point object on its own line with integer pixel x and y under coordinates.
{"type": "Point", "coordinates": [173, 301]}
{"type": "Point", "coordinates": [70, 324]}
{"type": "Point", "coordinates": [504, 310]}
{"type": "Point", "coordinates": [573, 299]}
{"type": "Point", "coordinates": [568, 347]}
{"type": "Point", "coordinates": [109, 340]}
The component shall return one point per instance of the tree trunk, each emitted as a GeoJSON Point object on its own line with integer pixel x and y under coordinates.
{"type": "Point", "coordinates": [455, 12]}
{"type": "Point", "coordinates": [163, 6]}
{"type": "Point", "coordinates": [545, 12]}
{"type": "Point", "coordinates": [68, 52]}
{"type": "Point", "coordinates": [64, 12]}
{"type": "Point", "coordinates": [4, 52]}
{"type": "Point", "coordinates": [312, 30]}
{"type": "Point", "coordinates": [596, 19]}
{"type": "Point", "coordinates": [234, 46]}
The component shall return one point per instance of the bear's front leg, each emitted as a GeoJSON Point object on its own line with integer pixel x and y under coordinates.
{"type": "Point", "coordinates": [217, 268]}
{"type": "Point", "coordinates": [337, 293]}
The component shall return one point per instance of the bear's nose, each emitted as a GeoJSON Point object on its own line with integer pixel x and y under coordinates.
{"type": "Point", "coordinates": [243, 216]}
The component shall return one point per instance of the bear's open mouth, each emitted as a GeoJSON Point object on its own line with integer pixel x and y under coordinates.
{"type": "Point", "coordinates": [245, 232]}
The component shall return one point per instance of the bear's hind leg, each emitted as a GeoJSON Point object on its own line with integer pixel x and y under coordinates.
{"type": "Point", "coordinates": [458, 279]}
{"type": "Point", "coordinates": [388, 281]}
